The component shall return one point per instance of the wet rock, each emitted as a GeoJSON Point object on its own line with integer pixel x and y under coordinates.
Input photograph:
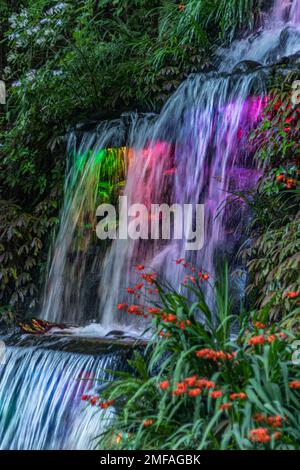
{"type": "Point", "coordinates": [115, 333]}
{"type": "Point", "coordinates": [294, 59]}
{"type": "Point", "coordinates": [246, 66]}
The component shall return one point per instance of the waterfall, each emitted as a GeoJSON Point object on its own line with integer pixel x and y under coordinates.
{"type": "Point", "coordinates": [278, 38]}
{"type": "Point", "coordinates": [198, 135]}
{"type": "Point", "coordinates": [195, 151]}
{"type": "Point", "coordinates": [40, 398]}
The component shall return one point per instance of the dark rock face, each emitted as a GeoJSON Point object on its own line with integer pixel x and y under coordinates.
{"type": "Point", "coordinates": [294, 59]}
{"type": "Point", "coordinates": [287, 34]}
{"type": "Point", "coordinates": [246, 66]}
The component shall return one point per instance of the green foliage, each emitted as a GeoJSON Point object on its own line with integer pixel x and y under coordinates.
{"type": "Point", "coordinates": [156, 407]}
{"type": "Point", "coordinates": [21, 247]}
{"type": "Point", "coordinates": [272, 253]}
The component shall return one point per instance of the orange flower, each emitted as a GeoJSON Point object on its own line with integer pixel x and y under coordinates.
{"type": "Point", "coordinates": [205, 383]}
{"type": "Point", "coordinates": [106, 404]}
{"type": "Point", "coordinates": [260, 418]}
{"type": "Point", "coordinates": [292, 295]}
{"type": "Point", "coordinates": [260, 435]}
{"type": "Point", "coordinates": [295, 384]}
{"type": "Point", "coordinates": [275, 421]}
{"type": "Point", "coordinates": [139, 286]}
{"type": "Point", "coordinates": [190, 381]}
{"type": "Point", "coordinates": [154, 311]}
{"type": "Point", "coordinates": [133, 309]}
{"type": "Point", "coordinates": [94, 400]}
{"type": "Point", "coordinates": [149, 278]}
{"type": "Point", "coordinates": [85, 397]}
{"type": "Point", "coordinates": [147, 423]}
{"type": "Point", "coordinates": [140, 267]}
{"type": "Point", "coordinates": [170, 318]}
{"type": "Point", "coordinates": [164, 385]}
{"type": "Point", "coordinates": [205, 277]}
{"type": "Point", "coordinates": [259, 325]}
{"type": "Point", "coordinates": [121, 306]}
{"type": "Point", "coordinates": [255, 340]}
{"type": "Point", "coordinates": [195, 392]}
{"type": "Point", "coordinates": [280, 178]}
{"type": "Point", "coordinates": [282, 335]}
{"type": "Point", "coordinates": [216, 394]}
{"type": "Point", "coordinates": [240, 396]}
{"type": "Point", "coordinates": [271, 338]}
{"type": "Point", "coordinates": [213, 355]}
{"type": "Point", "coordinates": [181, 389]}
{"type": "Point", "coordinates": [130, 290]}
{"type": "Point", "coordinates": [181, 7]}
{"type": "Point", "coordinates": [225, 406]}
{"type": "Point", "coordinates": [276, 435]}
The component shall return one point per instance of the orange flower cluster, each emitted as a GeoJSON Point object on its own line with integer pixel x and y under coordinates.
{"type": "Point", "coordinates": [106, 404]}
{"type": "Point", "coordinates": [139, 286]}
{"type": "Point", "coordinates": [274, 421]}
{"type": "Point", "coordinates": [290, 183]}
{"type": "Point", "coordinates": [147, 423]}
{"type": "Point", "coordinates": [122, 306]}
{"type": "Point", "coordinates": [135, 310]}
{"type": "Point", "coordinates": [259, 325]}
{"type": "Point", "coordinates": [256, 340]}
{"type": "Point", "coordinates": [154, 311]}
{"type": "Point", "coordinates": [225, 406]}
{"type": "Point", "coordinates": [262, 435]}
{"type": "Point", "coordinates": [193, 279]}
{"type": "Point", "coordinates": [216, 394]}
{"type": "Point", "coordinates": [149, 278]}
{"type": "Point", "coordinates": [292, 295]}
{"type": "Point", "coordinates": [168, 317]}
{"type": "Point", "coordinates": [162, 334]}
{"type": "Point", "coordinates": [261, 339]}
{"type": "Point", "coordinates": [238, 396]}
{"type": "Point", "coordinates": [95, 400]}
{"type": "Point", "coordinates": [295, 384]}
{"type": "Point", "coordinates": [140, 267]}
{"type": "Point", "coordinates": [164, 385]}
{"type": "Point", "coordinates": [214, 355]}
{"type": "Point", "coordinates": [193, 386]}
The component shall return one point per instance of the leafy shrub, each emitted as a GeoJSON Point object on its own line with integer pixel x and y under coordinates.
{"type": "Point", "coordinates": [272, 254]}
{"type": "Point", "coordinates": [22, 238]}
{"type": "Point", "coordinates": [197, 387]}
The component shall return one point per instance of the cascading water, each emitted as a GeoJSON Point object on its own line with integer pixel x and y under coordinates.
{"type": "Point", "coordinates": [194, 152]}
{"type": "Point", "coordinates": [40, 398]}
{"type": "Point", "coordinates": [66, 284]}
